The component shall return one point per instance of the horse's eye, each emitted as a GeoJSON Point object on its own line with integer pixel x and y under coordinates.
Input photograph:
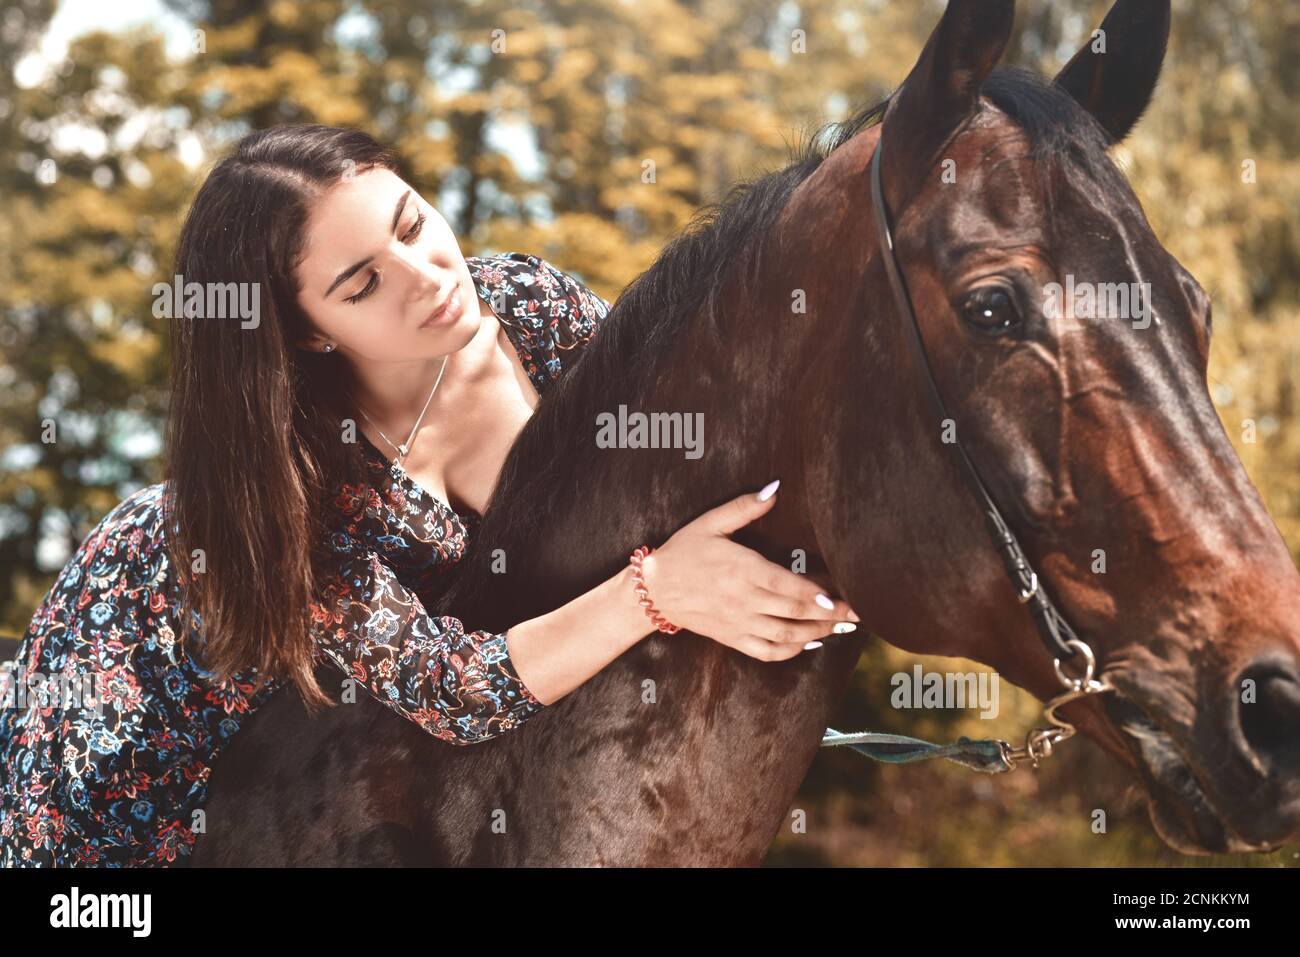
{"type": "Point", "coordinates": [991, 309]}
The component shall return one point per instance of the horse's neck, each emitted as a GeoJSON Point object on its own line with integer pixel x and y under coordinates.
{"type": "Point", "coordinates": [736, 732]}
{"type": "Point", "coordinates": [685, 752]}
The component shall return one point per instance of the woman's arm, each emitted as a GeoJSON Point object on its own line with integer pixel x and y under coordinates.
{"type": "Point", "coordinates": [556, 652]}
{"type": "Point", "coordinates": [464, 686]}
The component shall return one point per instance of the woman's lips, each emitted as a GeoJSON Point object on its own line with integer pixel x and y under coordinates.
{"type": "Point", "coordinates": [450, 311]}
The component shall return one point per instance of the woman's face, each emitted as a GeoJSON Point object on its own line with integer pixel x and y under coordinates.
{"type": "Point", "coordinates": [379, 261]}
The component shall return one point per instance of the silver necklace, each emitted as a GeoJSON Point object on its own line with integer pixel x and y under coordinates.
{"type": "Point", "coordinates": [405, 447]}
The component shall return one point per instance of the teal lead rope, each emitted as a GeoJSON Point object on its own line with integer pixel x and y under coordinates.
{"type": "Point", "coordinates": [984, 755]}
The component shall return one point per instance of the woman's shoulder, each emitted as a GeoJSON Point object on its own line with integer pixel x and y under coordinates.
{"type": "Point", "coordinates": [140, 515]}
{"type": "Point", "coordinates": [128, 541]}
{"type": "Point", "coordinates": [538, 293]}
{"type": "Point", "coordinates": [104, 576]}
{"type": "Point", "coordinates": [141, 505]}
{"type": "Point", "coordinates": [555, 311]}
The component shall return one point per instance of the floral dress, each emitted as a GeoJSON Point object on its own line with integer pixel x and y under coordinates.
{"type": "Point", "coordinates": [118, 781]}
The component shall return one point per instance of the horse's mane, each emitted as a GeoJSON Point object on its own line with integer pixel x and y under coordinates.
{"type": "Point", "coordinates": [1064, 137]}
{"type": "Point", "coordinates": [724, 239]}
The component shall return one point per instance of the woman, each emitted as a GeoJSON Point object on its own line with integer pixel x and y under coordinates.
{"type": "Point", "coordinates": [285, 536]}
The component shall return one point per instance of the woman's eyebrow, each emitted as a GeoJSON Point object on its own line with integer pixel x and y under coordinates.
{"type": "Point", "coordinates": [348, 273]}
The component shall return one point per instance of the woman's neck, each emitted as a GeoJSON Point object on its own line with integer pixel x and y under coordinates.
{"type": "Point", "coordinates": [395, 392]}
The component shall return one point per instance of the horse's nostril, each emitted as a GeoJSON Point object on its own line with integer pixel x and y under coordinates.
{"type": "Point", "coordinates": [1270, 711]}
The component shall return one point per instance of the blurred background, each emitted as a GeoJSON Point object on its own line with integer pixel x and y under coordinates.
{"type": "Point", "coordinates": [529, 123]}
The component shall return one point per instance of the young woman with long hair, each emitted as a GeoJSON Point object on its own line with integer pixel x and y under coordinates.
{"type": "Point", "coordinates": [285, 537]}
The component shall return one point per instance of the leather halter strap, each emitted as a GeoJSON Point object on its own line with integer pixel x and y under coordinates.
{"type": "Point", "coordinates": [1052, 625]}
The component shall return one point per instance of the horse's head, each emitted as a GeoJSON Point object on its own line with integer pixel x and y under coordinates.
{"type": "Point", "coordinates": [1089, 420]}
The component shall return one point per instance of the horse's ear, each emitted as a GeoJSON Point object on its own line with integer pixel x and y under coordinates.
{"type": "Point", "coordinates": [942, 90]}
{"type": "Point", "coordinates": [1115, 73]}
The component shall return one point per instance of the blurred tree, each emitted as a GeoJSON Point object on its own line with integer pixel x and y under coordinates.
{"type": "Point", "coordinates": [81, 229]}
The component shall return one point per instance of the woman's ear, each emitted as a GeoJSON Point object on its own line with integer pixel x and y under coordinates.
{"type": "Point", "coordinates": [317, 342]}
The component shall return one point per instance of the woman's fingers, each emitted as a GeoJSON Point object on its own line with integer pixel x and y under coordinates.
{"type": "Point", "coordinates": [786, 594]}
{"type": "Point", "coordinates": [734, 594]}
{"type": "Point", "coordinates": [764, 650]}
{"type": "Point", "coordinates": [740, 511]}
{"type": "Point", "coordinates": [788, 631]}
{"type": "Point", "coordinates": [803, 606]}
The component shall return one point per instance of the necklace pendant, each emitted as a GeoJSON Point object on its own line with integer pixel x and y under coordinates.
{"type": "Point", "coordinates": [402, 448]}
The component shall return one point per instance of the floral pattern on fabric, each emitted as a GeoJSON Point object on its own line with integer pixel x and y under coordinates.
{"type": "Point", "coordinates": [119, 784]}
{"type": "Point", "coordinates": [552, 312]}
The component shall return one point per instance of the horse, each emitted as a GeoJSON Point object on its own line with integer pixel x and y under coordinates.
{"type": "Point", "coordinates": [772, 315]}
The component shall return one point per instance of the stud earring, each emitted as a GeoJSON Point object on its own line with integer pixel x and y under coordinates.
{"type": "Point", "coordinates": [329, 347]}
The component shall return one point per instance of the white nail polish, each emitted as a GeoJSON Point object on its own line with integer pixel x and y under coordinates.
{"type": "Point", "coordinates": [844, 627]}
{"type": "Point", "coordinates": [768, 490]}
{"type": "Point", "coordinates": [811, 645]}
{"type": "Point", "coordinates": [825, 601]}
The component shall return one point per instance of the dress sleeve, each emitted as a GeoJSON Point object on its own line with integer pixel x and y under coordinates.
{"type": "Point", "coordinates": [577, 311]}
{"type": "Point", "coordinates": [460, 686]}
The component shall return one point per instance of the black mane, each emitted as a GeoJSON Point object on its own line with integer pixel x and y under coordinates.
{"type": "Point", "coordinates": [1065, 137]}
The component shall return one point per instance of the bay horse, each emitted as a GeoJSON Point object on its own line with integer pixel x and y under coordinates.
{"type": "Point", "coordinates": [1096, 436]}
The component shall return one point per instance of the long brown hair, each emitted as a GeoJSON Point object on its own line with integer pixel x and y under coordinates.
{"type": "Point", "coordinates": [254, 448]}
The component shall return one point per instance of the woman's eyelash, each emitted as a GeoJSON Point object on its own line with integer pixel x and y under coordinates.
{"type": "Point", "coordinates": [414, 230]}
{"type": "Point", "coordinates": [410, 236]}
{"type": "Point", "coordinates": [367, 290]}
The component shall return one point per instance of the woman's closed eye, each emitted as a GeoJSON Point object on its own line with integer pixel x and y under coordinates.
{"type": "Point", "coordinates": [411, 235]}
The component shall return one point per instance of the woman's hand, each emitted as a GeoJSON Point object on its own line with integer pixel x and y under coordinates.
{"type": "Point", "coordinates": [704, 582]}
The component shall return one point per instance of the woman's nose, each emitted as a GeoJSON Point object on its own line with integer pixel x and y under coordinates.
{"type": "Point", "coordinates": [425, 279]}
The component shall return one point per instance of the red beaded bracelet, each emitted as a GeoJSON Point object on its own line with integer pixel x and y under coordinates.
{"type": "Point", "coordinates": [643, 596]}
